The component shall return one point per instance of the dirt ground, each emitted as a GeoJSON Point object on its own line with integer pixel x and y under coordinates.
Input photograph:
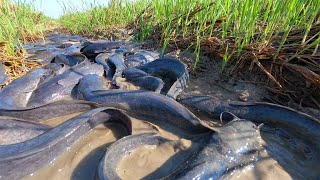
{"type": "Point", "coordinates": [252, 86]}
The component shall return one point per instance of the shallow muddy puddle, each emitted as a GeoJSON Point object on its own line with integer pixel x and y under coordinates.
{"type": "Point", "coordinates": [80, 161]}
{"type": "Point", "coordinates": [146, 159]}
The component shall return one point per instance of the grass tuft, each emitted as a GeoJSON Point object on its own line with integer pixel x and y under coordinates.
{"type": "Point", "coordinates": [19, 23]}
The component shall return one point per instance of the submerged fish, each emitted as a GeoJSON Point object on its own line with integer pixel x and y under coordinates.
{"type": "Point", "coordinates": [14, 130]}
{"type": "Point", "coordinates": [91, 50]}
{"type": "Point", "coordinates": [60, 86]}
{"type": "Point", "coordinates": [234, 145]}
{"type": "Point", "coordinates": [24, 158]}
{"type": "Point", "coordinates": [18, 92]}
{"type": "Point", "coordinates": [171, 71]}
{"type": "Point", "coordinates": [3, 76]}
{"type": "Point", "coordinates": [148, 105]}
{"type": "Point", "coordinates": [109, 165]}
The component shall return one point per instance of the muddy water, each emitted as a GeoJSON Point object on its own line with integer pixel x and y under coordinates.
{"type": "Point", "coordinates": [143, 160]}
{"type": "Point", "coordinates": [81, 160]}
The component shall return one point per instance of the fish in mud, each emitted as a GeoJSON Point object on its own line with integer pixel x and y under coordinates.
{"type": "Point", "coordinates": [69, 60]}
{"type": "Point", "coordinates": [60, 87]}
{"type": "Point", "coordinates": [147, 156]}
{"type": "Point", "coordinates": [140, 79]}
{"type": "Point", "coordinates": [148, 105]}
{"type": "Point", "coordinates": [49, 111]}
{"type": "Point", "coordinates": [112, 63]}
{"type": "Point", "coordinates": [3, 76]}
{"type": "Point", "coordinates": [91, 83]}
{"type": "Point", "coordinates": [24, 158]}
{"type": "Point", "coordinates": [171, 71]}
{"type": "Point", "coordinates": [258, 112]}
{"type": "Point", "coordinates": [91, 50]}
{"type": "Point", "coordinates": [140, 58]}
{"type": "Point", "coordinates": [291, 137]}
{"type": "Point", "coordinates": [116, 64]}
{"type": "Point", "coordinates": [102, 60]}
{"type": "Point", "coordinates": [74, 49]}
{"type": "Point", "coordinates": [18, 92]}
{"type": "Point", "coordinates": [14, 130]}
{"type": "Point", "coordinates": [234, 145]}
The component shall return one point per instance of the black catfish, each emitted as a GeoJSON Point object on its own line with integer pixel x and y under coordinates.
{"type": "Point", "coordinates": [141, 79]}
{"type": "Point", "coordinates": [18, 92]}
{"type": "Point", "coordinates": [48, 111]}
{"type": "Point", "coordinates": [91, 50]}
{"type": "Point", "coordinates": [140, 58]}
{"type": "Point", "coordinates": [60, 86]}
{"type": "Point", "coordinates": [234, 145]}
{"type": "Point", "coordinates": [70, 60]}
{"type": "Point", "coordinates": [91, 83]}
{"type": "Point", "coordinates": [24, 158]}
{"type": "Point", "coordinates": [157, 108]}
{"type": "Point", "coordinates": [292, 137]}
{"type": "Point", "coordinates": [14, 130]}
{"type": "Point", "coordinates": [258, 112]}
{"type": "Point", "coordinates": [171, 71]}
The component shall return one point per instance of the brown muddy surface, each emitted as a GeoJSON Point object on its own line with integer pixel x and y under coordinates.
{"type": "Point", "coordinates": [245, 85]}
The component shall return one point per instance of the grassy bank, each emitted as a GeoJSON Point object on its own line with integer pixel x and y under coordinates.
{"type": "Point", "coordinates": [279, 38]}
{"type": "Point", "coordinates": [230, 26]}
{"type": "Point", "coordinates": [19, 23]}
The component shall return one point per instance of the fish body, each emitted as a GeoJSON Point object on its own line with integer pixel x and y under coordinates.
{"type": "Point", "coordinates": [91, 50]}
{"type": "Point", "coordinates": [117, 63]}
{"type": "Point", "coordinates": [18, 92]}
{"type": "Point", "coordinates": [69, 60]}
{"type": "Point", "coordinates": [14, 130]}
{"type": "Point", "coordinates": [91, 83]}
{"type": "Point", "coordinates": [291, 137]}
{"type": "Point", "coordinates": [140, 58]}
{"type": "Point", "coordinates": [61, 86]}
{"type": "Point", "coordinates": [146, 104]}
{"type": "Point", "coordinates": [49, 111]}
{"type": "Point", "coordinates": [234, 145]}
{"type": "Point", "coordinates": [257, 112]}
{"type": "Point", "coordinates": [143, 80]}
{"type": "Point", "coordinates": [171, 71]}
{"type": "Point", "coordinates": [24, 158]}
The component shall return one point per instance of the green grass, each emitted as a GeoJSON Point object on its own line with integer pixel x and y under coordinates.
{"type": "Point", "coordinates": [19, 23]}
{"type": "Point", "coordinates": [233, 24]}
